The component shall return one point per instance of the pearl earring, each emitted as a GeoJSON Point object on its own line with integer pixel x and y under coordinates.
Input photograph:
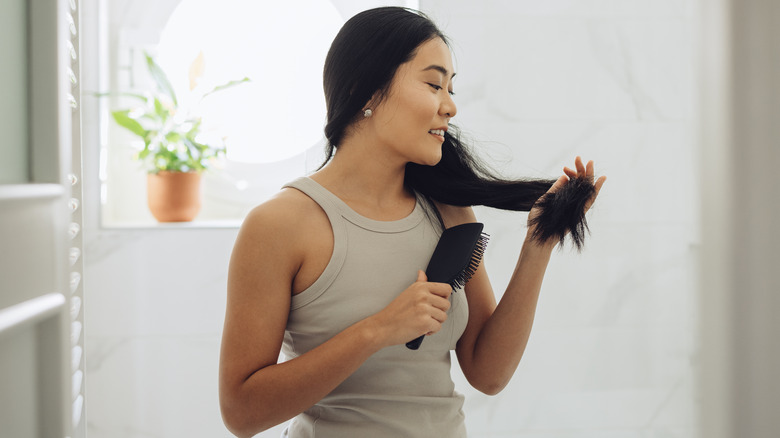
{"type": "Point", "coordinates": [367, 113]}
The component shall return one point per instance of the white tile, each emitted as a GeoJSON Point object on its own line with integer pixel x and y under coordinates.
{"type": "Point", "coordinates": [650, 167]}
{"type": "Point", "coordinates": [146, 386]}
{"type": "Point", "coordinates": [550, 73]}
{"type": "Point", "coordinates": [627, 276]}
{"type": "Point", "coordinates": [589, 383]}
{"type": "Point", "coordinates": [563, 8]}
{"type": "Point", "coordinates": [141, 387]}
{"type": "Point", "coordinates": [158, 282]}
{"type": "Point", "coordinates": [442, 11]}
{"type": "Point", "coordinates": [576, 69]}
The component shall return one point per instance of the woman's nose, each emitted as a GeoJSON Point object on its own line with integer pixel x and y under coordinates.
{"type": "Point", "coordinates": [448, 107]}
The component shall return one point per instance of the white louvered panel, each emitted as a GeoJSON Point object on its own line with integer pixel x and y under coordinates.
{"type": "Point", "coordinates": [78, 412]}
{"type": "Point", "coordinates": [76, 238]}
{"type": "Point", "coordinates": [75, 361]}
{"type": "Point", "coordinates": [75, 307]}
{"type": "Point", "coordinates": [35, 356]}
{"type": "Point", "coordinates": [75, 280]}
{"type": "Point", "coordinates": [75, 333]}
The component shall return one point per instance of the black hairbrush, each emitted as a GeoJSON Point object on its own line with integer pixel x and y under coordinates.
{"type": "Point", "coordinates": [455, 259]}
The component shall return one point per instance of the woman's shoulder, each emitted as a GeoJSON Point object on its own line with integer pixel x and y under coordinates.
{"type": "Point", "coordinates": [281, 215]}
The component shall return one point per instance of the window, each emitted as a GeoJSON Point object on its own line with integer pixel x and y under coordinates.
{"type": "Point", "coordinates": [271, 126]}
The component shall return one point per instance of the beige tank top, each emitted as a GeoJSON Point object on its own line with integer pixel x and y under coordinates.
{"type": "Point", "coordinates": [397, 392]}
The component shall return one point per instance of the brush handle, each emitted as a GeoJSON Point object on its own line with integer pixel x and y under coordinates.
{"type": "Point", "coordinates": [415, 344]}
{"type": "Point", "coordinates": [454, 259]}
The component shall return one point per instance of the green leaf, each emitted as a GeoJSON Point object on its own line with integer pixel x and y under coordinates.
{"type": "Point", "coordinates": [227, 85]}
{"type": "Point", "coordinates": [192, 151]}
{"type": "Point", "coordinates": [138, 96]}
{"type": "Point", "coordinates": [173, 137]}
{"type": "Point", "coordinates": [194, 129]}
{"type": "Point", "coordinates": [160, 110]}
{"type": "Point", "coordinates": [148, 140]}
{"type": "Point", "coordinates": [151, 116]}
{"type": "Point", "coordinates": [124, 120]}
{"type": "Point", "coordinates": [160, 78]}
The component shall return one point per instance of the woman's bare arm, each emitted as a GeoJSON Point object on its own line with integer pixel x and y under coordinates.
{"type": "Point", "coordinates": [496, 334]}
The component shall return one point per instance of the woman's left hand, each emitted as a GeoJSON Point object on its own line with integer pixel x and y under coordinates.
{"type": "Point", "coordinates": [587, 172]}
{"type": "Point", "coordinates": [580, 170]}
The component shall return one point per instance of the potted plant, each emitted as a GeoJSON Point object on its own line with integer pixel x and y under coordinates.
{"type": "Point", "coordinates": [174, 153]}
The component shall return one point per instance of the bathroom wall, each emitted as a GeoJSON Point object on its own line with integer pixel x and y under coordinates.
{"type": "Point", "coordinates": [613, 347]}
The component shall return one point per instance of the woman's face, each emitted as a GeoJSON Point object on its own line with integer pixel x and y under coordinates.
{"type": "Point", "coordinates": [413, 117]}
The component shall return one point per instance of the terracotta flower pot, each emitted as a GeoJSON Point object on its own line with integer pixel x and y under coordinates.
{"type": "Point", "coordinates": [173, 196]}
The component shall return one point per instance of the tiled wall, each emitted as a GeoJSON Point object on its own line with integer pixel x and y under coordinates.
{"type": "Point", "coordinates": [614, 343]}
{"type": "Point", "coordinates": [539, 82]}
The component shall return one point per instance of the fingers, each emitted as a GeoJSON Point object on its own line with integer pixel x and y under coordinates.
{"type": "Point", "coordinates": [435, 294]}
{"type": "Point", "coordinates": [434, 308]}
{"type": "Point", "coordinates": [580, 167]}
{"type": "Point", "coordinates": [589, 172]}
{"type": "Point", "coordinates": [599, 183]}
{"type": "Point", "coordinates": [441, 289]}
{"type": "Point", "coordinates": [597, 188]}
{"type": "Point", "coordinates": [421, 308]}
{"type": "Point", "coordinates": [438, 299]}
{"type": "Point", "coordinates": [584, 171]}
{"type": "Point", "coordinates": [559, 183]}
{"type": "Point", "coordinates": [439, 315]}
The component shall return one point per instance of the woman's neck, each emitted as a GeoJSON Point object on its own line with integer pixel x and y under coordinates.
{"type": "Point", "coordinates": [364, 177]}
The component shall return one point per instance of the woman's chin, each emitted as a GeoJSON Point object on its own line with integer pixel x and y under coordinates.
{"type": "Point", "coordinates": [430, 160]}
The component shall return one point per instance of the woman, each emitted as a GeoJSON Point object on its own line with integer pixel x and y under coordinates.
{"type": "Point", "coordinates": [330, 270]}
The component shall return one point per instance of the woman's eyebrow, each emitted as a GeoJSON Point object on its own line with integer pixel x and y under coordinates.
{"type": "Point", "coordinates": [440, 69]}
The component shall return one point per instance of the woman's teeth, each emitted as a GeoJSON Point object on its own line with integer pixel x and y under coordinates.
{"type": "Point", "coordinates": [437, 132]}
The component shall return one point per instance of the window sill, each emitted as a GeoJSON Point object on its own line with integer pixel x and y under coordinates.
{"type": "Point", "coordinates": [194, 225]}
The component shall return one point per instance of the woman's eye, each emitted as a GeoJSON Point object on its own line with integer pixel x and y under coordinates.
{"type": "Point", "coordinates": [438, 87]}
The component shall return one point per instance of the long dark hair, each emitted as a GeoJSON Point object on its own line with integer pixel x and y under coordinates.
{"type": "Point", "coordinates": [360, 65]}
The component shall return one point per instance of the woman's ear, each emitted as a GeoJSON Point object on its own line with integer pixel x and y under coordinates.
{"type": "Point", "coordinates": [374, 102]}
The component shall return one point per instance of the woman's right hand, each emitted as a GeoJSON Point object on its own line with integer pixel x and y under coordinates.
{"type": "Point", "coordinates": [420, 309]}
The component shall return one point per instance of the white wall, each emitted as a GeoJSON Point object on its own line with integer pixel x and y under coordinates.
{"type": "Point", "coordinates": [613, 347]}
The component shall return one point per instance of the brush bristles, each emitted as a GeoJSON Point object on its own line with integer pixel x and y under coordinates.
{"type": "Point", "coordinates": [476, 258]}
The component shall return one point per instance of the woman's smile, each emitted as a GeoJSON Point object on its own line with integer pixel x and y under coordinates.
{"type": "Point", "coordinates": [438, 133]}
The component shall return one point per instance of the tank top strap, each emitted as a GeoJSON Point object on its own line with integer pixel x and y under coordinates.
{"type": "Point", "coordinates": [331, 205]}
{"type": "Point", "coordinates": [326, 200]}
